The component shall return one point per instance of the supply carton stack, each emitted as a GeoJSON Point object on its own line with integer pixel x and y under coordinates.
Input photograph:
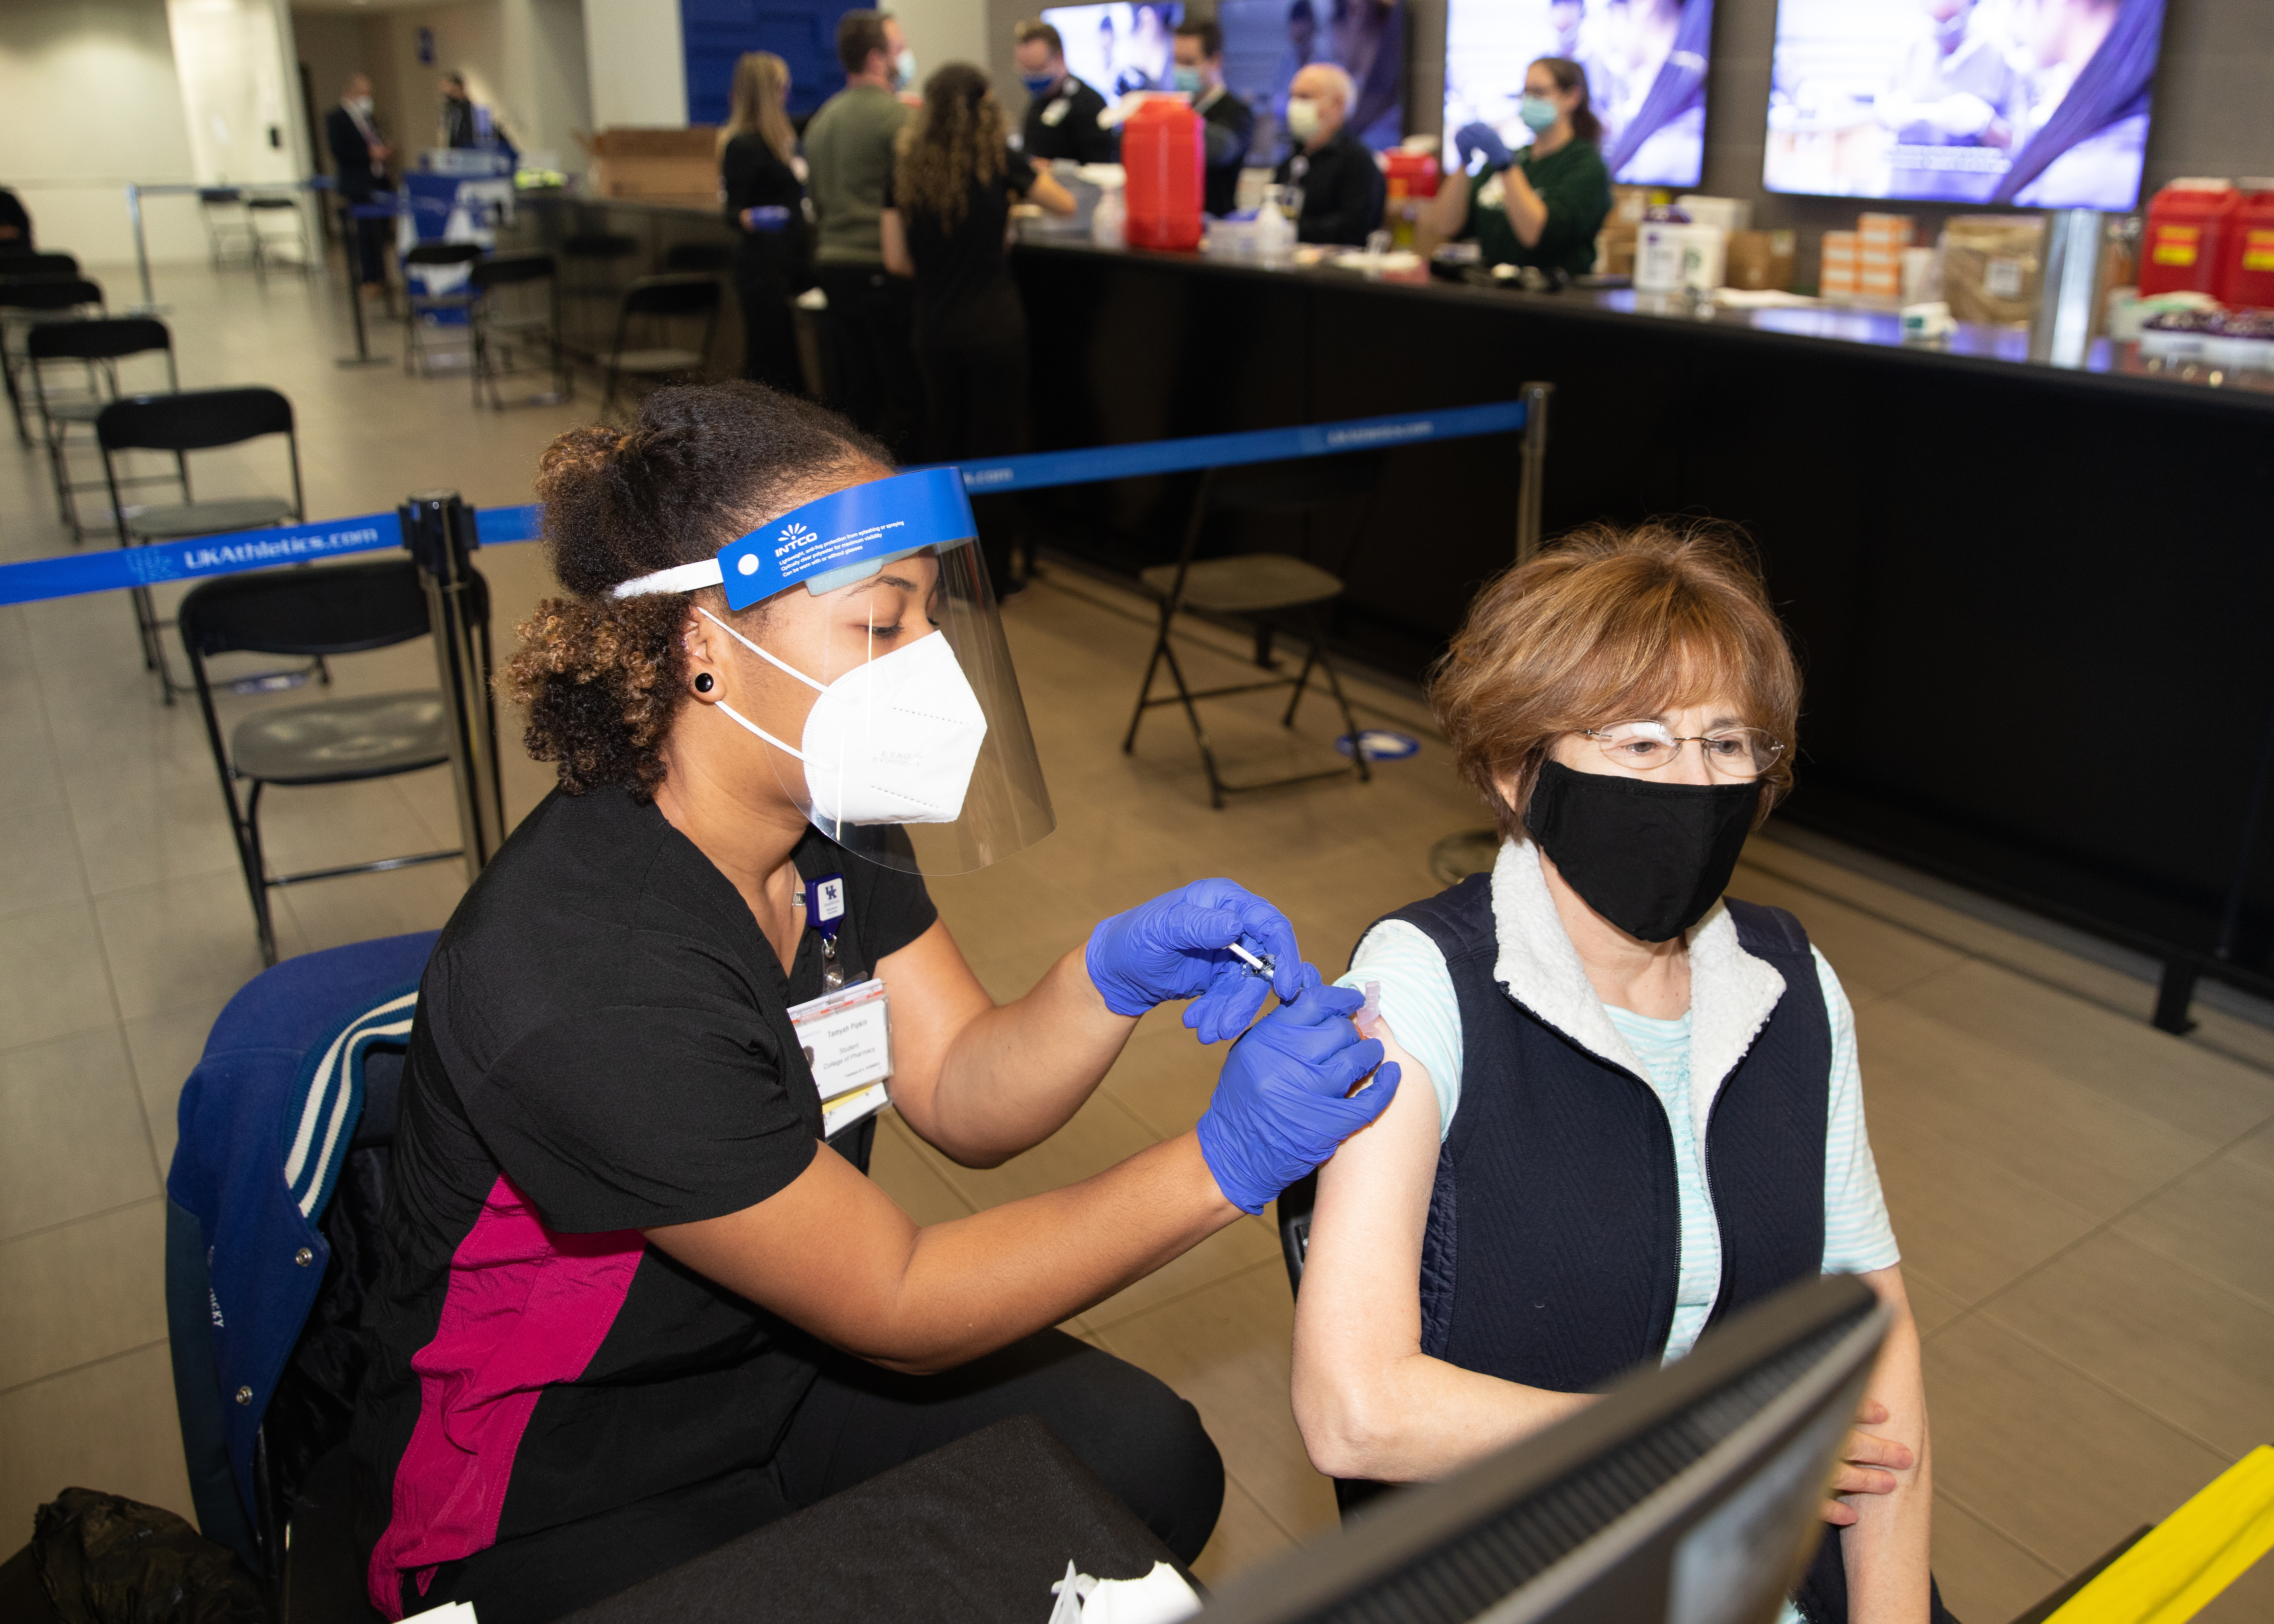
{"type": "Point", "coordinates": [1837, 279]}
{"type": "Point", "coordinates": [1880, 240]}
{"type": "Point", "coordinates": [653, 163]}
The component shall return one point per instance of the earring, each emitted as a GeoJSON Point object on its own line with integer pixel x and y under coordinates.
{"type": "Point", "coordinates": [703, 683]}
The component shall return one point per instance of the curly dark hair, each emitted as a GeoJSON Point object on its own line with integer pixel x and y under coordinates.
{"type": "Point", "coordinates": [603, 677]}
{"type": "Point", "coordinates": [958, 136]}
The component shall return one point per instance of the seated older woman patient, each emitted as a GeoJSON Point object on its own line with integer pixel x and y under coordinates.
{"type": "Point", "coordinates": [1642, 1107]}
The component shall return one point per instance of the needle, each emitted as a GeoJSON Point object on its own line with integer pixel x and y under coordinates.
{"type": "Point", "coordinates": [1262, 966]}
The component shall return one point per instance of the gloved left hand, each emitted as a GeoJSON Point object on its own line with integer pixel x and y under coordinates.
{"type": "Point", "coordinates": [1471, 138]}
{"type": "Point", "coordinates": [1178, 946]}
{"type": "Point", "coordinates": [766, 217]}
{"type": "Point", "coordinates": [1283, 1103]}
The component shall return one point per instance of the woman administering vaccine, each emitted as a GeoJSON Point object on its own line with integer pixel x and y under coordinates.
{"type": "Point", "coordinates": [1542, 208]}
{"type": "Point", "coordinates": [640, 1297]}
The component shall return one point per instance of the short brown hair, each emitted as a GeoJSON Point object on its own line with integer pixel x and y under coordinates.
{"type": "Point", "coordinates": [1206, 30]}
{"type": "Point", "coordinates": [1609, 625]}
{"type": "Point", "coordinates": [1027, 33]}
{"type": "Point", "coordinates": [859, 33]}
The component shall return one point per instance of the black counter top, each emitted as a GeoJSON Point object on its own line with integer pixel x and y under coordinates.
{"type": "Point", "coordinates": [1974, 348]}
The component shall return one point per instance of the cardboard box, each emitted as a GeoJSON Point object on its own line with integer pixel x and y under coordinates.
{"type": "Point", "coordinates": [1836, 278]}
{"type": "Point", "coordinates": [627, 163]}
{"type": "Point", "coordinates": [1890, 231]}
{"type": "Point", "coordinates": [1760, 259]}
{"type": "Point", "coordinates": [1989, 265]}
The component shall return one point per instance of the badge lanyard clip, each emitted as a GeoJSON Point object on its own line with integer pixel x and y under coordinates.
{"type": "Point", "coordinates": [824, 911]}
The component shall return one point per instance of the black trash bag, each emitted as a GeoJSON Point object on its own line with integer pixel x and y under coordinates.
{"type": "Point", "coordinates": [108, 1561]}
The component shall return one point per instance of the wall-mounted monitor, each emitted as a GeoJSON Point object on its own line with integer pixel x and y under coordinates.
{"type": "Point", "coordinates": [1267, 43]}
{"type": "Point", "coordinates": [2039, 103]}
{"type": "Point", "coordinates": [1118, 49]}
{"type": "Point", "coordinates": [1645, 64]}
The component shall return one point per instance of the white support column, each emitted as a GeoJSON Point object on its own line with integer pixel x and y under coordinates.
{"type": "Point", "coordinates": [636, 62]}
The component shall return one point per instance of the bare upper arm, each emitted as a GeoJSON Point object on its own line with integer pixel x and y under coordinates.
{"type": "Point", "coordinates": [1360, 1304]}
{"type": "Point", "coordinates": [892, 237]}
{"type": "Point", "coordinates": [934, 995]}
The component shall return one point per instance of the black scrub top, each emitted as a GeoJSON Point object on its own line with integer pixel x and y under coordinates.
{"type": "Point", "coordinates": [1342, 191]}
{"type": "Point", "coordinates": [751, 174]}
{"type": "Point", "coordinates": [965, 297]}
{"type": "Point", "coordinates": [602, 1046]}
{"type": "Point", "coordinates": [1064, 124]}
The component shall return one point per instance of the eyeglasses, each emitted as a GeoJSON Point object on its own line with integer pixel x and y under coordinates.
{"type": "Point", "coordinates": [1730, 752]}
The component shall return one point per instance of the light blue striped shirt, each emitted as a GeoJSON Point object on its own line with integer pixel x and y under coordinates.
{"type": "Point", "coordinates": [1418, 1002]}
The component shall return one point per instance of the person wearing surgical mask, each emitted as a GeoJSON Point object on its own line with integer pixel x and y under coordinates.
{"type": "Point", "coordinates": [1227, 123]}
{"type": "Point", "coordinates": [1330, 169]}
{"type": "Point", "coordinates": [636, 1295]}
{"type": "Point", "coordinates": [1599, 1026]}
{"type": "Point", "coordinates": [359, 160]}
{"type": "Point", "coordinates": [1063, 113]}
{"type": "Point", "coordinates": [1543, 205]}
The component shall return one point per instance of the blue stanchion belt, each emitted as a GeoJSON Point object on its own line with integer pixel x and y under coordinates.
{"type": "Point", "coordinates": [74, 574]}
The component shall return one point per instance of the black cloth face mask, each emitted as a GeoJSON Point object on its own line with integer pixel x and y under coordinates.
{"type": "Point", "coordinates": [1649, 858]}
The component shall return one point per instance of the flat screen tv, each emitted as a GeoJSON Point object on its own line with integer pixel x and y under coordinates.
{"type": "Point", "coordinates": [2038, 103]}
{"type": "Point", "coordinates": [1265, 43]}
{"type": "Point", "coordinates": [1645, 64]}
{"type": "Point", "coordinates": [1119, 48]}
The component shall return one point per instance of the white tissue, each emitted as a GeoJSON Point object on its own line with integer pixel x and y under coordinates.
{"type": "Point", "coordinates": [1161, 1597]}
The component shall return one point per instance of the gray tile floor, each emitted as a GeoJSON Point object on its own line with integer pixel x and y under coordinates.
{"type": "Point", "coordinates": [2086, 1206]}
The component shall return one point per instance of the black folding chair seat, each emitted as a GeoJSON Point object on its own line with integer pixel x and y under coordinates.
{"type": "Point", "coordinates": [1265, 589]}
{"type": "Point", "coordinates": [653, 305]}
{"type": "Point", "coordinates": [420, 348]}
{"type": "Point", "coordinates": [341, 740]}
{"type": "Point", "coordinates": [180, 520]}
{"type": "Point", "coordinates": [1246, 584]}
{"type": "Point", "coordinates": [29, 298]}
{"type": "Point", "coordinates": [318, 611]}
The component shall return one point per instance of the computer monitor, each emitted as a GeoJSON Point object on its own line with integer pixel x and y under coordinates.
{"type": "Point", "coordinates": [1689, 1495]}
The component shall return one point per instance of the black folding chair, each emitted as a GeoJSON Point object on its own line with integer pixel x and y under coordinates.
{"type": "Point", "coordinates": [1268, 590]}
{"type": "Point", "coordinates": [656, 309]}
{"type": "Point", "coordinates": [27, 299]}
{"type": "Point", "coordinates": [426, 316]}
{"type": "Point", "coordinates": [272, 233]}
{"type": "Point", "coordinates": [595, 268]}
{"type": "Point", "coordinates": [509, 318]}
{"type": "Point", "coordinates": [317, 612]}
{"type": "Point", "coordinates": [97, 345]}
{"type": "Point", "coordinates": [228, 225]}
{"type": "Point", "coordinates": [178, 424]}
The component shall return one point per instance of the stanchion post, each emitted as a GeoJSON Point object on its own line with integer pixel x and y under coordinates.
{"type": "Point", "coordinates": [439, 529]}
{"type": "Point", "coordinates": [141, 248]}
{"type": "Point", "coordinates": [351, 252]}
{"type": "Point", "coordinates": [1534, 470]}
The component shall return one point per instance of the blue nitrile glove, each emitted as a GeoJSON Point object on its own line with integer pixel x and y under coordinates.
{"type": "Point", "coordinates": [1279, 1108]}
{"type": "Point", "coordinates": [1470, 139]}
{"type": "Point", "coordinates": [765, 217]}
{"type": "Point", "coordinates": [1179, 946]}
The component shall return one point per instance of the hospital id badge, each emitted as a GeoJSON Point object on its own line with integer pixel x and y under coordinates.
{"type": "Point", "coordinates": [847, 1036]}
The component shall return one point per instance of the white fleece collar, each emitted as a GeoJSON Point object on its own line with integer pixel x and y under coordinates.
{"type": "Point", "coordinates": [1732, 994]}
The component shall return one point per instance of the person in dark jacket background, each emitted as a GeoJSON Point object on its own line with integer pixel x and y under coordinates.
{"type": "Point", "coordinates": [1227, 123]}
{"type": "Point", "coordinates": [1342, 187]}
{"type": "Point", "coordinates": [1062, 112]}
{"type": "Point", "coordinates": [765, 206]}
{"type": "Point", "coordinates": [359, 155]}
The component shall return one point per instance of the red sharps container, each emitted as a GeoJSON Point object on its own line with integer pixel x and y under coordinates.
{"type": "Point", "coordinates": [2187, 230]}
{"type": "Point", "coordinates": [2246, 271]}
{"type": "Point", "coordinates": [1161, 149]}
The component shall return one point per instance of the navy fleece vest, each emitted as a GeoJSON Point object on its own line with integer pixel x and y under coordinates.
{"type": "Point", "coordinates": [1553, 1245]}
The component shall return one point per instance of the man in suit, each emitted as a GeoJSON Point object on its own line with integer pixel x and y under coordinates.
{"type": "Point", "coordinates": [359, 156]}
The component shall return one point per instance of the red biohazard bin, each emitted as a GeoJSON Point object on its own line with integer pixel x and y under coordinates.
{"type": "Point", "coordinates": [1418, 171]}
{"type": "Point", "coordinates": [2187, 230]}
{"type": "Point", "coordinates": [2246, 270]}
{"type": "Point", "coordinates": [1161, 150]}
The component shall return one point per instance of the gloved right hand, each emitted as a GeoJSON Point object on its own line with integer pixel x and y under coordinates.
{"type": "Point", "coordinates": [765, 217]}
{"type": "Point", "coordinates": [1469, 139]}
{"type": "Point", "coordinates": [1279, 1108]}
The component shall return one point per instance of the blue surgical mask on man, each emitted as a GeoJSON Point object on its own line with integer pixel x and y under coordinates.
{"type": "Point", "coordinates": [1038, 84]}
{"type": "Point", "coordinates": [1538, 112]}
{"type": "Point", "coordinates": [1188, 80]}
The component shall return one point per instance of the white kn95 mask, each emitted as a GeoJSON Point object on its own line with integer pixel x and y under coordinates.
{"type": "Point", "coordinates": [893, 740]}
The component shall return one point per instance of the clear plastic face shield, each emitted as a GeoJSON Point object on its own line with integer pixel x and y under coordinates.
{"type": "Point", "coordinates": [876, 678]}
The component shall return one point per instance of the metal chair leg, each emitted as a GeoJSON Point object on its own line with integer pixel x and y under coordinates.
{"type": "Point", "coordinates": [1145, 689]}
{"type": "Point", "coordinates": [1199, 733]}
{"type": "Point", "coordinates": [1349, 722]}
{"type": "Point", "coordinates": [256, 873]}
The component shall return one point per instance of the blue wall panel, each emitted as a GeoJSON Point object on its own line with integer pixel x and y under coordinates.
{"type": "Point", "coordinates": [802, 33]}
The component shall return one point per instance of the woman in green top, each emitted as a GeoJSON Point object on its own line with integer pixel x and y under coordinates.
{"type": "Point", "coordinates": [1544, 207]}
